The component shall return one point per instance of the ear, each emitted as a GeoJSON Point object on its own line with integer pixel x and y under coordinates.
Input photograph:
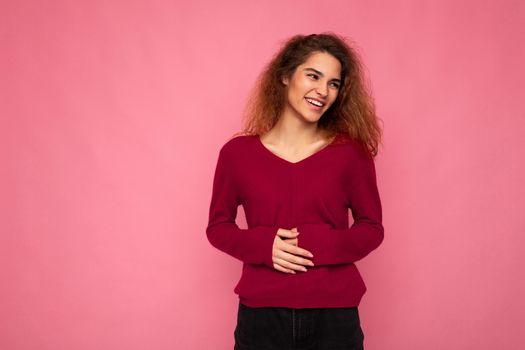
{"type": "Point", "coordinates": [284, 80]}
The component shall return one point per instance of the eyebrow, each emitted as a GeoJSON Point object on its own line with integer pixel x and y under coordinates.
{"type": "Point", "coordinates": [321, 74]}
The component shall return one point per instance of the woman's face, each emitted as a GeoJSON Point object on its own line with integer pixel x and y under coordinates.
{"type": "Point", "coordinates": [313, 86]}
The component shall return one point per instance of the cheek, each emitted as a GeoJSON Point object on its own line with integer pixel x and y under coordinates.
{"type": "Point", "coordinates": [292, 95]}
{"type": "Point", "coordinates": [336, 94]}
{"type": "Point", "coordinates": [303, 84]}
{"type": "Point", "coordinates": [331, 104]}
{"type": "Point", "coordinates": [296, 94]}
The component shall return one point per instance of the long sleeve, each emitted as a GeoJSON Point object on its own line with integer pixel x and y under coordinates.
{"type": "Point", "coordinates": [346, 245]}
{"type": "Point", "coordinates": [252, 245]}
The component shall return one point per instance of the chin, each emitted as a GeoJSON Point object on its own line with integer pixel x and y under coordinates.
{"type": "Point", "coordinates": [312, 120]}
{"type": "Point", "coordinates": [312, 116]}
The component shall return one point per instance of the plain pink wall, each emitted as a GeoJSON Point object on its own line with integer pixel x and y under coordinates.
{"type": "Point", "coordinates": [112, 115]}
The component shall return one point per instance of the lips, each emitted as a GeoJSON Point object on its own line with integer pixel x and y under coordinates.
{"type": "Point", "coordinates": [316, 99]}
{"type": "Point", "coordinates": [314, 107]}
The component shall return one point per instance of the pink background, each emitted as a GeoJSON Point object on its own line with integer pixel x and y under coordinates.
{"type": "Point", "coordinates": [112, 115]}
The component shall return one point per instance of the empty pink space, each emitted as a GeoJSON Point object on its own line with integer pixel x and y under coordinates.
{"type": "Point", "coordinates": [111, 118]}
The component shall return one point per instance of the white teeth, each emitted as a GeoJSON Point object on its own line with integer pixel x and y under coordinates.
{"type": "Point", "coordinates": [314, 102]}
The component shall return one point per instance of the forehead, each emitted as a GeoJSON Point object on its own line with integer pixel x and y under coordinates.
{"type": "Point", "coordinates": [323, 62]}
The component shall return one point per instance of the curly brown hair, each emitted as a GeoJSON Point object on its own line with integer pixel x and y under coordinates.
{"type": "Point", "coordinates": [353, 111]}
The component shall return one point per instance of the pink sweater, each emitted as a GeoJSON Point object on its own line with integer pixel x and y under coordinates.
{"type": "Point", "coordinates": [313, 195]}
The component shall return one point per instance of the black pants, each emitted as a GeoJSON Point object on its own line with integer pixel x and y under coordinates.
{"type": "Point", "coordinates": [280, 328]}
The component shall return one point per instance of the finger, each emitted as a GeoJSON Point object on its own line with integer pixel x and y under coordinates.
{"type": "Point", "coordinates": [293, 258]}
{"type": "Point", "coordinates": [282, 269]}
{"type": "Point", "coordinates": [291, 261]}
{"type": "Point", "coordinates": [301, 251]}
{"type": "Point", "coordinates": [288, 265]}
{"type": "Point", "coordinates": [295, 250]}
{"type": "Point", "coordinates": [287, 245]}
{"type": "Point", "coordinates": [292, 241]}
{"type": "Point", "coordinates": [287, 233]}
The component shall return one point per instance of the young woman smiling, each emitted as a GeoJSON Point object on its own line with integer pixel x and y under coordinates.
{"type": "Point", "coordinates": [304, 157]}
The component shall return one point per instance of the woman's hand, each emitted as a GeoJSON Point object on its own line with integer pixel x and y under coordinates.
{"type": "Point", "coordinates": [286, 255]}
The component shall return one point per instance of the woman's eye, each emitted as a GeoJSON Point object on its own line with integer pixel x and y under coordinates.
{"type": "Point", "coordinates": [314, 76]}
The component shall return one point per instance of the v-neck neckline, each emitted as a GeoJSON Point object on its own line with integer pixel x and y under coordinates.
{"type": "Point", "coordinates": [313, 155]}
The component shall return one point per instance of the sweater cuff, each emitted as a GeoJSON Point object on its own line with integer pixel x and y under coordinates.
{"type": "Point", "coordinates": [265, 236]}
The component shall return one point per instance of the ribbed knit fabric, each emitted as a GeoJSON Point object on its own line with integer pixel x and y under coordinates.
{"type": "Point", "coordinates": [314, 195]}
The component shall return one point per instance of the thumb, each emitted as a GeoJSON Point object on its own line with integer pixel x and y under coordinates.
{"type": "Point", "coordinates": [288, 233]}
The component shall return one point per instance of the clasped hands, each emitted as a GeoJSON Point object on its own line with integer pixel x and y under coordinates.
{"type": "Point", "coordinates": [286, 255]}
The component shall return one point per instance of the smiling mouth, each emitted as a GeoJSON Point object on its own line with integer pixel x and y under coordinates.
{"type": "Point", "coordinates": [313, 104]}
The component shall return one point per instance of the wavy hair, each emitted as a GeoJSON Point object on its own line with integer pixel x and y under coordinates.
{"type": "Point", "coordinates": [353, 111]}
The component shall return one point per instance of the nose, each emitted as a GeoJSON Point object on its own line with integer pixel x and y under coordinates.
{"type": "Point", "coordinates": [322, 90]}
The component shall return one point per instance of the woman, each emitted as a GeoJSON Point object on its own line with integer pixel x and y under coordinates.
{"type": "Point", "coordinates": [304, 158]}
